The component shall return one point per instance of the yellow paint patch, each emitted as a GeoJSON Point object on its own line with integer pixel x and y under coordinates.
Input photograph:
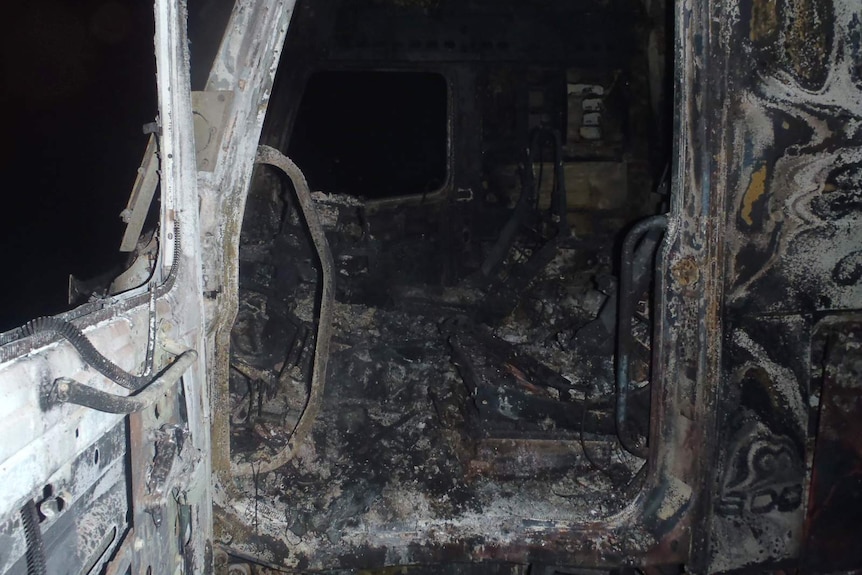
{"type": "Point", "coordinates": [756, 189]}
{"type": "Point", "coordinates": [764, 20]}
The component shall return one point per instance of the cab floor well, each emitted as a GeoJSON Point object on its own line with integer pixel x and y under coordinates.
{"type": "Point", "coordinates": [434, 425]}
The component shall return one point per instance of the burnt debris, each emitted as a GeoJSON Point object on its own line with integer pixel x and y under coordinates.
{"type": "Point", "coordinates": [475, 209]}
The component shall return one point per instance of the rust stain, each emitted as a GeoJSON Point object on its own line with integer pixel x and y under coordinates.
{"type": "Point", "coordinates": [764, 19]}
{"type": "Point", "coordinates": [523, 380]}
{"type": "Point", "coordinates": [686, 272]}
{"type": "Point", "coordinates": [756, 189]}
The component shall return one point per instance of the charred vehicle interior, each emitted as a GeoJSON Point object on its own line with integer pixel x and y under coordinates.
{"type": "Point", "coordinates": [475, 188]}
{"type": "Point", "coordinates": [468, 286]}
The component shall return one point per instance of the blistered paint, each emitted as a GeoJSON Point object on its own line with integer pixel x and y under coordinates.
{"type": "Point", "coordinates": [793, 160]}
{"type": "Point", "coordinates": [805, 132]}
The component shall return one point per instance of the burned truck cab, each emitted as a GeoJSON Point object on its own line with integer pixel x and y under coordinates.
{"type": "Point", "coordinates": [488, 177]}
{"type": "Point", "coordinates": [466, 286]}
{"type": "Point", "coordinates": [550, 341]}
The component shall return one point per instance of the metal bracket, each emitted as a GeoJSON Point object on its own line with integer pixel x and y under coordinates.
{"type": "Point", "coordinates": [142, 196]}
{"type": "Point", "coordinates": [464, 195]}
{"type": "Point", "coordinates": [174, 461]}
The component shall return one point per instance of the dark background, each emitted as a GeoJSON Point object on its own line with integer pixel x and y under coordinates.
{"type": "Point", "coordinates": [372, 134]}
{"type": "Point", "coordinates": [78, 85]}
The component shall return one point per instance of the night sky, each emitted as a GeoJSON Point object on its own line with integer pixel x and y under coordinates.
{"type": "Point", "coordinates": [79, 83]}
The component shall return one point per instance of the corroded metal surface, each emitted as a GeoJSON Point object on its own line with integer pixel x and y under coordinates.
{"type": "Point", "coordinates": [74, 460]}
{"type": "Point", "coordinates": [790, 150]}
{"type": "Point", "coordinates": [794, 110]}
{"type": "Point", "coordinates": [245, 65]}
{"type": "Point", "coordinates": [761, 474]}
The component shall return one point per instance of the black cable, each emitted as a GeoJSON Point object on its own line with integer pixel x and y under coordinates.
{"type": "Point", "coordinates": [83, 346]}
{"type": "Point", "coordinates": [33, 536]}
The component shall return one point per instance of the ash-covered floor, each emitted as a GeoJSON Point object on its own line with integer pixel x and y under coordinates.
{"type": "Point", "coordinates": [437, 425]}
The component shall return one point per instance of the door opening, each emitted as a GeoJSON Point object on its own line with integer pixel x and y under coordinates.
{"type": "Point", "coordinates": [494, 241]}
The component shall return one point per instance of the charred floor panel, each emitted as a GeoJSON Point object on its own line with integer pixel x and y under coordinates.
{"type": "Point", "coordinates": [436, 428]}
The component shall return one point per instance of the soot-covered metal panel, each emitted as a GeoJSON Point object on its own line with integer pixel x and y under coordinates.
{"type": "Point", "coordinates": [792, 162]}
